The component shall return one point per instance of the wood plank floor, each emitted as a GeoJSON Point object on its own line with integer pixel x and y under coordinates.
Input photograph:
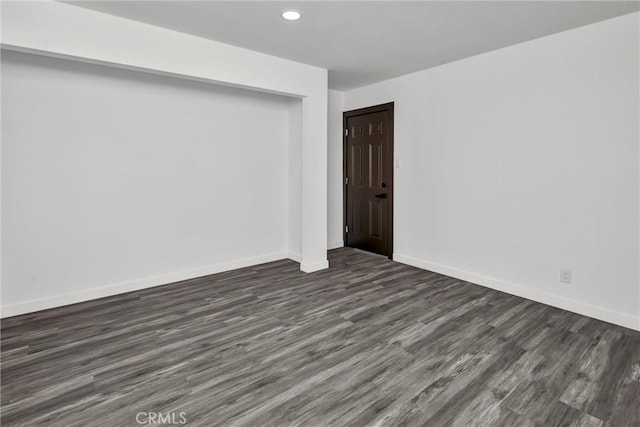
{"type": "Point", "coordinates": [366, 342]}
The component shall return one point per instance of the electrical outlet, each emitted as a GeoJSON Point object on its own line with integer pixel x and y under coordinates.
{"type": "Point", "coordinates": [565, 276]}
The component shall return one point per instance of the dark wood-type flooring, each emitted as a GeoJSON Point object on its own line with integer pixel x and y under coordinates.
{"type": "Point", "coordinates": [366, 342]}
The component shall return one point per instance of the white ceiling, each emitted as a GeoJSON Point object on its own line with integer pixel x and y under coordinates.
{"type": "Point", "coordinates": [363, 42]}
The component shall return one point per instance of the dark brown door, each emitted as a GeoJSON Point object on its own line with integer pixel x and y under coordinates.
{"type": "Point", "coordinates": [369, 179]}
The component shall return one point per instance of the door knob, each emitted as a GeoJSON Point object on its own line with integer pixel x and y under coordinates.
{"type": "Point", "coordinates": [381, 196]}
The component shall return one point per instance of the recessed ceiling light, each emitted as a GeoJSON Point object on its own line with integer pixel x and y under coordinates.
{"type": "Point", "coordinates": [291, 15]}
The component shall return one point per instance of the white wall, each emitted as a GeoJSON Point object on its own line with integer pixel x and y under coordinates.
{"type": "Point", "coordinates": [334, 175]}
{"type": "Point", "coordinates": [57, 29]}
{"type": "Point", "coordinates": [114, 180]}
{"type": "Point", "coordinates": [60, 30]}
{"type": "Point", "coordinates": [523, 161]}
{"type": "Point", "coordinates": [334, 184]}
{"type": "Point", "coordinates": [295, 180]}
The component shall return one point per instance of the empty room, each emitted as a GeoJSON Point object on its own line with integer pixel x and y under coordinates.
{"type": "Point", "coordinates": [320, 213]}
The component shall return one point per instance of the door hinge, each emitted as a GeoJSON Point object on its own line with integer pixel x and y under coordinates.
{"type": "Point", "coordinates": [346, 132]}
{"type": "Point", "coordinates": [346, 228]}
{"type": "Point", "coordinates": [346, 180]}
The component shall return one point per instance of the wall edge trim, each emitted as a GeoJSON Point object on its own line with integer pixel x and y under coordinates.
{"type": "Point", "coordinates": [39, 304]}
{"type": "Point", "coordinates": [335, 245]}
{"type": "Point", "coordinates": [586, 309]}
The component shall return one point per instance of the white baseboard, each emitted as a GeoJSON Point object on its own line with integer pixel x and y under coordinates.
{"type": "Point", "coordinates": [310, 267]}
{"type": "Point", "coordinates": [134, 285]}
{"type": "Point", "coordinates": [294, 256]}
{"type": "Point", "coordinates": [331, 245]}
{"type": "Point", "coordinates": [597, 312]}
{"type": "Point", "coordinates": [335, 245]}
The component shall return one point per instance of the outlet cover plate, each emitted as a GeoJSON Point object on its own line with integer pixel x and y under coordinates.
{"type": "Point", "coordinates": [565, 276]}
